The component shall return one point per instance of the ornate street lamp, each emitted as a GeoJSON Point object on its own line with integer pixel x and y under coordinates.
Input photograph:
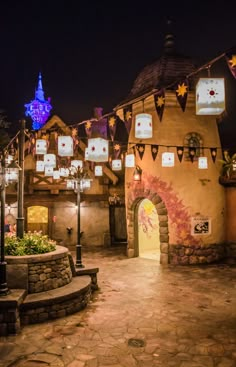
{"type": "Point", "coordinates": [8, 174]}
{"type": "Point", "coordinates": [78, 180]}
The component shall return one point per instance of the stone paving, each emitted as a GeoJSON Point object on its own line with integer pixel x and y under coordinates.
{"type": "Point", "coordinates": [143, 315]}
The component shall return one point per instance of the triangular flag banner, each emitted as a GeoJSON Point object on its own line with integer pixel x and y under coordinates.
{"type": "Point", "coordinates": [180, 153]}
{"type": "Point", "coordinates": [154, 151]}
{"type": "Point", "coordinates": [117, 150]}
{"type": "Point", "coordinates": [231, 61]}
{"type": "Point", "coordinates": [128, 117]}
{"type": "Point", "coordinates": [112, 126]}
{"type": "Point", "coordinates": [182, 93]}
{"type": "Point", "coordinates": [192, 153]}
{"type": "Point", "coordinates": [88, 128]}
{"type": "Point", "coordinates": [213, 154]}
{"type": "Point", "coordinates": [141, 149]}
{"type": "Point", "coordinates": [159, 99]}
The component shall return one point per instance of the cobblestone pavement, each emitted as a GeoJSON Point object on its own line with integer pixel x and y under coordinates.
{"type": "Point", "coordinates": [143, 315]}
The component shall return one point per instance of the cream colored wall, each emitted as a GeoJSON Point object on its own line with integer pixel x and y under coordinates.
{"type": "Point", "coordinates": [198, 190]}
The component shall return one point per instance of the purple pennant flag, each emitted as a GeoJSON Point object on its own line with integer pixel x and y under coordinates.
{"type": "Point", "coordinates": [180, 152]}
{"type": "Point", "coordinates": [112, 126]}
{"type": "Point", "coordinates": [213, 154]}
{"type": "Point", "coordinates": [128, 117]}
{"type": "Point", "coordinates": [154, 151]}
{"type": "Point", "coordinates": [182, 93]}
{"type": "Point", "coordinates": [159, 99]}
{"type": "Point", "coordinates": [141, 149]}
{"type": "Point", "coordinates": [231, 61]}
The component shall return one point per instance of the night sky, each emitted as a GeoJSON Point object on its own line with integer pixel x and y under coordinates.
{"type": "Point", "coordinates": [90, 54]}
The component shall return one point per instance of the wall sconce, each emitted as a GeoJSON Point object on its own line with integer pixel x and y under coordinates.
{"type": "Point", "coordinates": [137, 175]}
{"type": "Point", "coordinates": [69, 230]}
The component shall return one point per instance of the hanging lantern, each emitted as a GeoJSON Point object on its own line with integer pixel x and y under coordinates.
{"type": "Point", "coordinates": [143, 126]}
{"type": "Point", "coordinates": [97, 150]}
{"type": "Point", "coordinates": [64, 172]}
{"type": "Point", "coordinates": [202, 163]}
{"type": "Point", "coordinates": [130, 160]}
{"type": "Point", "coordinates": [70, 184]}
{"type": "Point", "coordinates": [12, 172]}
{"type": "Point", "coordinates": [9, 159]}
{"type": "Point", "coordinates": [48, 171]}
{"type": "Point", "coordinates": [65, 146]}
{"type": "Point", "coordinates": [168, 159]}
{"type": "Point", "coordinates": [39, 166]}
{"type": "Point", "coordinates": [86, 154]}
{"type": "Point", "coordinates": [41, 146]}
{"type": "Point", "coordinates": [210, 96]}
{"type": "Point", "coordinates": [56, 175]}
{"type": "Point", "coordinates": [50, 160]}
{"type": "Point", "coordinates": [116, 164]}
{"type": "Point", "coordinates": [85, 183]}
{"type": "Point", "coordinates": [98, 170]}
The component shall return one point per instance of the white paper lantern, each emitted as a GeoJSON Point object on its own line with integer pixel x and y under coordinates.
{"type": "Point", "coordinates": [210, 96]}
{"type": "Point", "coordinates": [56, 175]}
{"type": "Point", "coordinates": [41, 146]}
{"type": "Point", "coordinates": [168, 159]}
{"type": "Point", "coordinates": [77, 163]}
{"type": "Point", "coordinates": [202, 163]}
{"type": "Point", "coordinates": [97, 150]}
{"type": "Point", "coordinates": [48, 171]}
{"type": "Point", "coordinates": [143, 126]}
{"type": "Point", "coordinates": [64, 172]}
{"type": "Point", "coordinates": [86, 154]}
{"type": "Point", "coordinates": [50, 160]}
{"type": "Point", "coordinates": [39, 166]}
{"type": "Point", "coordinates": [116, 165]}
{"type": "Point", "coordinates": [65, 146]}
{"type": "Point", "coordinates": [98, 170]}
{"type": "Point", "coordinates": [130, 160]}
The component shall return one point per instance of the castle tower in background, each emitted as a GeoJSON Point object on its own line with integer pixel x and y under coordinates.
{"type": "Point", "coordinates": [38, 109]}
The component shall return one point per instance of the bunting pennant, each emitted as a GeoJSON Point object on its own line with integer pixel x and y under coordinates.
{"type": "Point", "coordinates": [112, 126]}
{"type": "Point", "coordinates": [182, 93]}
{"type": "Point", "coordinates": [180, 153]}
{"type": "Point", "coordinates": [88, 128]}
{"type": "Point", "coordinates": [128, 117]}
{"type": "Point", "coordinates": [141, 149]}
{"type": "Point", "coordinates": [231, 61]}
{"type": "Point", "coordinates": [154, 151]}
{"type": "Point", "coordinates": [213, 154]}
{"type": "Point", "coordinates": [117, 149]}
{"type": "Point", "coordinates": [192, 153]}
{"type": "Point", "coordinates": [159, 99]}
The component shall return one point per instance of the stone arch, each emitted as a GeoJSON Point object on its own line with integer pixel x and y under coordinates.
{"type": "Point", "coordinates": [132, 221]}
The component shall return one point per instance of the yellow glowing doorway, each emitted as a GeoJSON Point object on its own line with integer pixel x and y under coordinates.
{"type": "Point", "coordinates": [37, 219]}
{"type": "Point", "coordinates": [148, 231]}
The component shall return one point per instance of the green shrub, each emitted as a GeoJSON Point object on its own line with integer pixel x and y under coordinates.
{"type": "Point", "coordinates": [31, 244]}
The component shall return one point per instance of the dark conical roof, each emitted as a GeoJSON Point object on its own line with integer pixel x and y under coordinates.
{"type": "Point", "coordinates": [171, 68]}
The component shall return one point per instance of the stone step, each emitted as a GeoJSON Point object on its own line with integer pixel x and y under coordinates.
{"type": "Point", "coordinates": [55, 303]}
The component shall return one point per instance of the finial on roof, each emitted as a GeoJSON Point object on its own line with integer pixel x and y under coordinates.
{"type": "Point", "coordinates": [169, 44]}
{"type": "Point", "coordinates": [39, 93]}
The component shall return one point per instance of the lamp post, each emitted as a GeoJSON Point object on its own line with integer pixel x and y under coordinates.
{"type": "Point", "coordinates": [78, 180]}
{"type": "Point", "coordinates": [7, 175]}
{"type": "Point", "coordinates": [20, 188]}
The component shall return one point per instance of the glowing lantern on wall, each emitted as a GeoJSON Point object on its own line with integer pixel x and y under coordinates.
{"type": "Point", "coordinates": [210, 96]}
{"type": "Point", "coordinates": [97, 150]}
{"type": "Point", "coordinates": [64, 172]}
{"type": "Point", "coordinates": [50, 160]}
{"type": "Point", "coordinates": [48, 171]}
{"type": "Point", "coordinates": [116, 165]}
{"type": "Point", "coordinates": [41, 146]}
{"type": "Point", "coordinates": [39, 166]}
{"type": "Point", "coordinates": [98, 170]}
{"type": "Point", "coordinates": [202, 163]}
{"type": "Point", "coordinates": [143, 126]}
{"type": "Point", "coordinates": [168, 159]}
{"type": "Point", "coordinates": [130, 160]}
{"type": "Point", "coordinates": [65, 146]}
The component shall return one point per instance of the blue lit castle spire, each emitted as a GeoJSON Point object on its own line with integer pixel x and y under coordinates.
{"type": "Point", "coordinates": [38, 109]}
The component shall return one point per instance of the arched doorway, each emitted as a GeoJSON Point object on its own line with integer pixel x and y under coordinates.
{"type": "Point", "coordinates": [37, 219]}
{"type": "Point", "coordinates": [148, 231]}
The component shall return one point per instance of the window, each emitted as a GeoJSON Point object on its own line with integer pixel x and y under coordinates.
{"type": "Point", "coordinates": [193, 140]}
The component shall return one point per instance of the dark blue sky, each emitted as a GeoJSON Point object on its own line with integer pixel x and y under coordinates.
{"type": "Point", "coordinates": [89, 54]}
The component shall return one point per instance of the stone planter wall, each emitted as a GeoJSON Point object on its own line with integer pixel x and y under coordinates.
{"type": "Point", "coordinates": [38, 273]}
{"type": "Point", "coordinates": [200, 254]}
